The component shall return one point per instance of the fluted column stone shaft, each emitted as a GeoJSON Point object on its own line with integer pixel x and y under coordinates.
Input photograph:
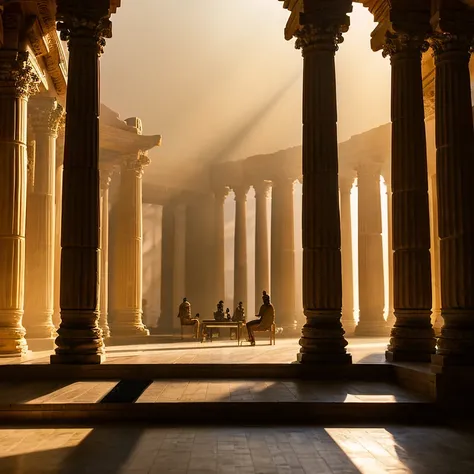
{"type": "Point", "coordinates": [412, 337]}
{"type": "Point", "coordinates": [455, 175]}
{"type": "Point", "coordinates": [262, 256]}
{"type": "Point", "coordinates": [168, 310]}
{"type": "Point", "coordinates": [390, 315]}
{"type": "Point", "coordinates": [322, 338]}
{"type": "Point", "coordinates": [126, 293]}
{"type": "Point", "coordinates": [371, 275]}
{"type": "Point", "coordinates": [17, 82]}
{"type": "Point", "coordinates": [348, 322]}
{"type": "Point", "coordinates": [240, 246]}
{"type": "Point", "coordinates": [105, 178]}
{"type": "Point", "coordinates": [283, 252]}
{"type": "Point", "coordinates": [219, 226]}
{"type": "Point", "coordinates": [46, 115]}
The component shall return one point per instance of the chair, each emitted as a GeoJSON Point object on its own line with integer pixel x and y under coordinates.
{"type": "Point", "coordinates": [189, 326]}
{"type": "Point", "coordinates": [271, 330]}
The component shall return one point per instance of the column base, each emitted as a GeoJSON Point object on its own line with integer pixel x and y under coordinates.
{"type": "Point", "coordinates": [12, 342]}
{"type": "Point", "coordinates": [40, 332]}
{"type": "Point", "coordinates": [372, 329]}
{"type": "Point", "coordinates": [406, 356]}
{"type": "Point", "coordinates": [451, 363]}
{"type": "Point", "coordinates": [349, 325]}
{"type": "Point", "coordinates": [86, 359]}
{"type": "Point", "coordinates": [330, 359]}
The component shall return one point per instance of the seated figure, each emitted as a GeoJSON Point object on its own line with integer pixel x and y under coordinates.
{"type": "Point", "coordinates": [239, 313]}
{"type": "Point", "coordinates": [219, 314]}
{"type": "Point", "coordinates": [186, 318]}
{"type": "Point", "coordinates": [266, 317]}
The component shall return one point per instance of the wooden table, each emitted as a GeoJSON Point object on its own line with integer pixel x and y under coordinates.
{"type": "Point", "coordinates": [212, 323]}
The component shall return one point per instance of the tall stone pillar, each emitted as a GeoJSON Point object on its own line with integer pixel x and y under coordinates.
{"type": "Point", "coordinates": [323, 336]}
{"type": "Point", "coordinates": [348, 323]}
{"type": "Point", "coordinates": [371, 276]}
{"type": "Point", "coordinates": [126, 293]}
{"type": "Point", "coordinates": [240, 246]}
{"type": "Point", "coordinates": [46, 115]}
{"type": "Point", "coordinates": [283, 252]}
{"type": "Point", "coordinates": [219, 226]}
{"type": "Point", "coordinates": [412, 337]}
{"type": "Point", "coordinates": [262, 257]}
{"type": "Point", "coordinates": [17, 82]}
{"type": "Point", "coordinates": [390, 315]}
{"type": "Point", "coordinates": [84, 25]}
{"type": "Point", "coordinates": [105, 178]}
{"type": "Point", "coordinates": [168, 311]}
{"type": "Point", "coordinates": [436, 318]}
{"type": "Point", "coordinates": [455, 175]}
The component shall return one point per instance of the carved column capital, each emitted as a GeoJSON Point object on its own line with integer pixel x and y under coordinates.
{"type": "Point", "coordinates": [401, 42]}
{"type": "Point", "coordinates": [451, 43]}
{"type": "Point", "coordinates": [46, 115]}
{"type": "Point", "coordinates": [137, 163]}
{"type": "Point", "coordinates": [345, 184]}
{"type": "Point", "coordinates": [85, 21]}
{"type": "Point", "coordinates": [241, 193]}
{"type": "Point", "coordinates": [17, 75]}
{"type": "Point", "coordinates": [262, 189]}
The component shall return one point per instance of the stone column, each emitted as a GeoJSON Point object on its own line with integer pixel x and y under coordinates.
{"type": "Point", "coordinates": [46, 115]}
{"type": "Point", "coordinates": [436, 318]}
{"type": "Point", "coordinates": [412, 337]}
{"type": "Point", "coordinates": [390, 315]}
{"type": "Point", "coordinates": [323, 336]}
{"type": "Point", "coordinates": [79, 336]}
{"type": "Point", "coordinates": [455, 175]}
{"type": "Point", "coordinates": [168, 310]}
{"type": "Point", "coordinates": [283, 252]}
{"type": "Point", "coordinates": [105, 178]}
{"type": "Point", "coordinates": [17, 82]}
{"type": "Point", "coordinates": [240, 246]}
{"type": "Point", "coordinates": [348, 323]}
{"type": "Point", "coordinates": [219, 225]}
{"type": "Point", "coordinates": [262, 257]}
{"type": "Point", "coordinates": [126, 293]}
{"type": "Point", "coordinates": [371, 277]}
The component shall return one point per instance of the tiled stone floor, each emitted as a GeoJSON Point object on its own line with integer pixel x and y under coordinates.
{"type": "Point", "coordinates": [273, 450]}
{"type": "Point", "coordinates": [363, 350]}
{"type": "Point", "coordinates": [51, 392]}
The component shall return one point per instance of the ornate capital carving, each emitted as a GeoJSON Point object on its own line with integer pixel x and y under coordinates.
{"type": "Point", "coordinates": [47, 115]}
{"type": "Point", "coordinates": [137, 163]}
{"type": "Point", "coordinates": [262, 189]}
{"type": "Point", "coordinates": [17, 75]}
{"type": "Point", "coordinates": [87, 20]}
{"type": "Point", "coordinates": [315, 37]}
{"type": "Point", "coordinates": [240, 193]}
{"type": "Point", "coordinates": [396, 43]}
{"type": "Point", "coordinates": [448, 43]}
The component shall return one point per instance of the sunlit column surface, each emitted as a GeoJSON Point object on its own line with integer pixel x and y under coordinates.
{"type": "Point", "coordinates": [262, 256]}
{"type": "Point", "coordinates": [126, 293]}
{"type": "Point", "coordinates": [371, 275]}
{"type": "Point", "coordinates": [455, 175]}
{"type": "Point", "coordinates": [168, 311]}
{"type": "Point", "coordinates": [390, 313]}
{"type": "Point", "coordinates": [219, 224]}
{"type": "Point", "coordinates": [240, 246]}
{"type": "Point", "coordinates": [412, 337]}
{"type": "Point", "coordinates": [46, 116]}
{"type": "Point", "coordinates": [17, 83]}
{"type": "Point", "coordinates": [323, 336]}
{"type": "Point", "coordinates": [105, 178]}
{"type": "Point", "coordinates": [283, 252]}
{"type": "Point", "coordinates": [79, 336]}
{"type": "Point", "coordinates": [348, 323]}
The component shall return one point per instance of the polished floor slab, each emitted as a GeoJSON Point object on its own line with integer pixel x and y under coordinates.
{"type": "Point", "coordinates": [363, 350]}
{"type": "Point", "coordinates": [244, 450]}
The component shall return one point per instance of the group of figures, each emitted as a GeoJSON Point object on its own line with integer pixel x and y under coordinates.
{"type": "Point", "coordinates": [264, 321]}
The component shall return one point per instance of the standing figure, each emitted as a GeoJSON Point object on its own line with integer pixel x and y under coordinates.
{"type": "Point", "coordinates": [266, 317]}
{"type": "Point", "coordinates": [186, 318]}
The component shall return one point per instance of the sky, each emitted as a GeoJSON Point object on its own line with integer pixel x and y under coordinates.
{"type": "Point", "coordinates": [218, 81]}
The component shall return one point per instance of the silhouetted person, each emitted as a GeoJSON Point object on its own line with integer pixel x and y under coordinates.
{"type": "Point", "coordinates": [266, 317]}
{"type": "Point", "coordinates": [219, 314]}
{"type": "Point", "coordinates": [239, 313]}
{"type": "Point", "coordinates": [186, 318]}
